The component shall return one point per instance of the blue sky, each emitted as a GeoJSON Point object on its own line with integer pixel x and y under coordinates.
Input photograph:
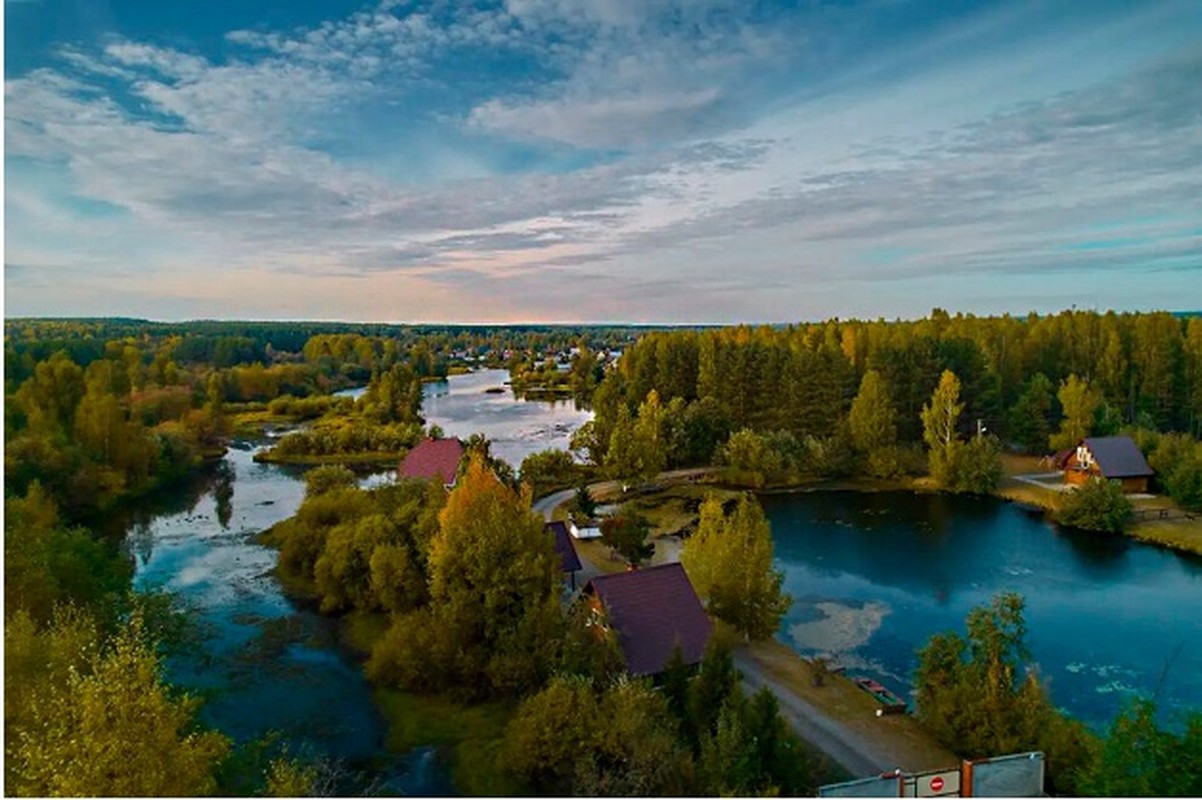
{"type": "Point", "coordinates": [596, 160]}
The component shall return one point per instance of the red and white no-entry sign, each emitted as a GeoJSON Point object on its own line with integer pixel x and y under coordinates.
{"type": "Point", "coordinates": [937, 784]}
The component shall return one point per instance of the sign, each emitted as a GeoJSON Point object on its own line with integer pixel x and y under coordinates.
{"type": "Point", "coordinates": [935, 783]}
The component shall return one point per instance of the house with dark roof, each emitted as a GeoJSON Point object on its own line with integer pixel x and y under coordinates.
{"type": "Point", "coordinates": [433, 460]}
{"type": "Point", "coordinates": [1112, 457]}
{"type": "Point", "coordinates": [652, 611]}
{"type": "Point", "coordinates": [569, 561]}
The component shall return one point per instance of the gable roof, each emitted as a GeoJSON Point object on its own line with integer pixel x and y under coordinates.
{"type": "Point", "coordinates": [569, 561]}
{"type": "Point", "coordinates": [433, 459]}
{"type": "Point", "coordinates": [1118, 457]}
{"type": "Point", "coordinates": [652, 609]}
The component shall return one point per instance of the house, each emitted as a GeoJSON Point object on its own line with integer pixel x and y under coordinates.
{"type": "Point", "coordinates": [652, 610]}
{"type": "Point", "coordinates": [568, 560]}
{"type": "Point", "coordinates": [1111, 457]}
{"type": "Point", "coordinates": [433, 460]}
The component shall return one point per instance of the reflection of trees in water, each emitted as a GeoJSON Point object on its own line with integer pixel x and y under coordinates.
{"type": "Point", "coordinates": [223, 493]}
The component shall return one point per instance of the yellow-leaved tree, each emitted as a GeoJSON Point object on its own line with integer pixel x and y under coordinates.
{"type": "Point", "coordinates": [84, 717]}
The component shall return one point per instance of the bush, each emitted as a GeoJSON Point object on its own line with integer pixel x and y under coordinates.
{"type": "Point", "coordinates": [1099, 505]}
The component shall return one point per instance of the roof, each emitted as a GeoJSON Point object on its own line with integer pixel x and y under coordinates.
{"type": "Point", "coordinates": [433, 459]}
{"type": "Point", "coordinates": [569, 561]}
{"type": "Point", "coordinates": [1118, 457]}
{"type": "Point", "coordinates": [652, 609]}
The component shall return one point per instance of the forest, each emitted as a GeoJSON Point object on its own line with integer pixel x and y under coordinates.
{"type": "Point", "coordinates": [100, 413]}
{"type": "Point", "coordinates": [831, 399]}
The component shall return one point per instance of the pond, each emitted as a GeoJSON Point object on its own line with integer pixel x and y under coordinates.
{"type": "Point", "coordinates": [264, 664]}
{"type": "Point", "coordinates": [875, 574]}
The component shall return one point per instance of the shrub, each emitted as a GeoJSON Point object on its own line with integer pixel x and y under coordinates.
{"type": "Point", "coordinates": [1099, 505]}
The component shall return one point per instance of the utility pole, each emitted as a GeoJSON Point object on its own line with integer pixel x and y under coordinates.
{"type": "Point", "coordinates": [980, 428]}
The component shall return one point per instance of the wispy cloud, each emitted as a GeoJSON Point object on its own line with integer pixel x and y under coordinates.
{"type": "Point", "coordinates": [601, 160]}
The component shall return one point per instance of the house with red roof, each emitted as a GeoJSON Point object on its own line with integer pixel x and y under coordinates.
{"type": "Point", "coordinates": [652, 610]}
{"type": "Point", "coordinates": [433, 460]}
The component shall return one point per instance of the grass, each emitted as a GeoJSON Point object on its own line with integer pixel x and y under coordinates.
{"type": "Point", "coordinates": [898, 736]}
{"type": "Point", "coordinates": [471, 734]}
{"type": "Point", "coordinates": [379, 457]}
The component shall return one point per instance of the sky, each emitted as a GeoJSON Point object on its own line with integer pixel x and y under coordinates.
{"type": "Point", "coordinates": [649, 161]}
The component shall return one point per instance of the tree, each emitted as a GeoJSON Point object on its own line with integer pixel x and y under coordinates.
{"type": "Point", "coordinates": [974, 697]}
{"type": "Point", "coordinates": [1097, 505]}
{"type": "Point", "coordinates": [1030, 418]}
{"type": "Point", "coordinates": [751, 458]}
{"type": "Point", "coordinates": [548, 469]}
{"type": "Point", "coordinates": [873, 425]}
{"type": "Point", "coordinates": [320, 480]}
{"type": "Point", "coordinates": [729, 561]}
{"type": "Point", "coordinates": [651, 451]}
{"type": "Point", "coordinates": [626, 532]}
{"type": "Point", "coordinates": [105, 724]}
{"type": "Point", "coordinates": [494, 622]}
{"type": "Point", "coordinates": [1139, 759]}
{"type": "Point", "coordinates": [980, 465]}
{"type": "Point", "coordinates": [1079, 402]}
{"type": "Point", "coordinates": [939, 418]}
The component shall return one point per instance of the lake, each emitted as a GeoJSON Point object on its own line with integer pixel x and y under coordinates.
{"type": "Point", "coordinates": [875, 574]}
{"type": "Point", "coordinates": [264, 664]}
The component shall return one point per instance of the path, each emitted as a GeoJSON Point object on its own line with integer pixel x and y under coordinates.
{"type": "Point", "coordinates": [846, 748]}
{"type": "Point", "coordinates": [860, 754]}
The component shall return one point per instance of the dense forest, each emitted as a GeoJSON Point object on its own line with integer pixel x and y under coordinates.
{"type": "Point", "coordinates": [843, 397]}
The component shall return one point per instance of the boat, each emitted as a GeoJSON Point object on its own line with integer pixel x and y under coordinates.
{"type": "Point", "coordinates": [891, 703]}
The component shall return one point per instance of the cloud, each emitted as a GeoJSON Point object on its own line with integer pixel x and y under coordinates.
{"type": "Point", "coordinates": [657, 153]}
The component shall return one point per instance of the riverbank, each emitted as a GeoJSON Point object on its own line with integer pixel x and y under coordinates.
{"type": "Point", "coordinates": [836, 717]}
{"type": "Point", "coordinates": [386, 458]}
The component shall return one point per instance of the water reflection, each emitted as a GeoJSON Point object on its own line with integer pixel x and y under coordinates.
{"type": "Point", "coordinates": [874, 575]}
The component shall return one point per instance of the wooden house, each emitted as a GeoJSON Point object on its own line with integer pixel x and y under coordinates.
{"type": "Point", "coordinates": [1111, 457]}
{"type": "Point", "coordinates": [652, 610]}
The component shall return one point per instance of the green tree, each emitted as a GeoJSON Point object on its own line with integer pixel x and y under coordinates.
{"type": "Point", "coordinates": [494, 624]}
{"type": "Point", "coordinates": [1097, 505]}
{"type": "Point", "coordinates": [980, 697]}
{"type": "Point", "coordinates": [980, 465]}
{"type": "Point", "coordinates": [1139, 759]}
{"type": "Point", "coordinates": [1080, 403]}
{"type": "Point", "coordinates": [627, 532]}
{"type": "Point", "coordinates": [320, 480]}
{"type": "Point", "coordinates": [750, 458]}
{"type": "Point", "coordinates": [729, 561]}
{"type": "Point", "coordinates": [548, 469]}
{"type": "Point", "coordinates": [939, 418]}
{"type": "Point", "coordinates": [873, 425]}
{"type": "Point", "coordinates": [1030, 418]}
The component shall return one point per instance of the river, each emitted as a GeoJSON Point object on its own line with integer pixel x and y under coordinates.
{"type": "Point", "coordinates": [874, 575]}
{"type": "Point", "coordinates": [263, 664]}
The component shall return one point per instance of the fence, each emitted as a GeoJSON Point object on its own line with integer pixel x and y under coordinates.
{"type": "Point", "coordinates": [1018, 775]}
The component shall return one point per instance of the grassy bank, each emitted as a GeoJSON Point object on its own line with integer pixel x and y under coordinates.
{"type": "Point", "coordinates": [897, 737]}
{"type": "Point", "coordinates": [383, 458]}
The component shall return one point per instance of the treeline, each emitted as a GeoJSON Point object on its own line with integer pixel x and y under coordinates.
{"type": "Point", "coordinates": [783, 399]}
{"type": "Point", "coordinates": [228, 344]}
{"type": "Point", "coordinates": [981, 696]}
{"type": "Point", "coordinates": [100, 410]}
{"type": "Point", "coordinates": [471, 585]}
